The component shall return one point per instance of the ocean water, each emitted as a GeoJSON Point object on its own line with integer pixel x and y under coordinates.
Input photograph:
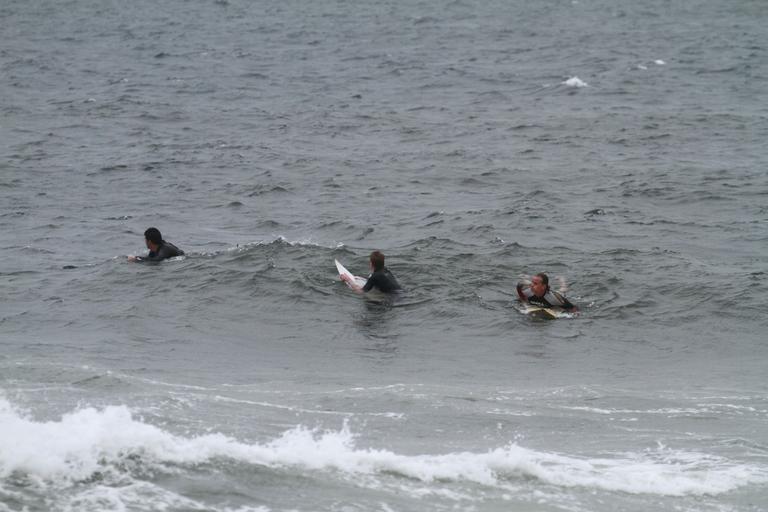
{"type": "Point", "coordinates": [618, 146]}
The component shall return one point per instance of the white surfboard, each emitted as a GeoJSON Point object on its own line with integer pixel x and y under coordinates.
{"type": "Point", "coordinates": [344, 272]}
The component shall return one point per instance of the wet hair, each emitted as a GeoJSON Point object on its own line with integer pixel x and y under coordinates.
{"type": "Point", "coordinates": [377, 260]}
{"type": "Point", "coordinates": [544, 279]}
{"type": "Point", "coordinates": [153, 235]}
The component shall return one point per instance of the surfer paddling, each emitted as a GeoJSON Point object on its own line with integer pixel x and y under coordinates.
{"type": "Point", "coordinates": [537, 292]}
{"type": "Point", "coordinates": [380, 279]}
{"type": "Point", "coordinates": [159, 249]}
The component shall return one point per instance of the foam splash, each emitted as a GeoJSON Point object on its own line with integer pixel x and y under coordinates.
{"type": "Point", "coordinates": [575, 81]}
{"type": "Point", "coordinates": [88, 441]}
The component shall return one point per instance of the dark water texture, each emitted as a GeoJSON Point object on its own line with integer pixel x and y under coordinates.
{"type": "Point", "coordinates": [269, 138]}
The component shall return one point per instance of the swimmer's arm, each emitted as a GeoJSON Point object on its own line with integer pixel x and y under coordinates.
{"type": "Point", "coordinates": [565, 303]}
{"type": "Point", "coordinates": [145, 259]}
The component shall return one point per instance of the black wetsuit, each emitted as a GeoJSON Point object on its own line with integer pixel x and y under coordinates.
{"type": "Point", "coordinates": [164, 251]}
{"type": "Point", "coordinates": [551, 298]}
{"type": "Point", "coordinates": [382, 280]}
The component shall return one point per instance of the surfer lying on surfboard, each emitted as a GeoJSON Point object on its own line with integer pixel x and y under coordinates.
{"type": "Point", "coordinates": [381, 278]}
{"type": "Point", "coordinates": [159, 249]}
{"type": "Point", "coordinates": [538, 293]}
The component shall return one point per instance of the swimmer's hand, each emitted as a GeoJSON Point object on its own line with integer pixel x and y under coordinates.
{"type": "Point", "coordinates": [132, 258]}
{"type": "Point", "coordinates": [344, 278]}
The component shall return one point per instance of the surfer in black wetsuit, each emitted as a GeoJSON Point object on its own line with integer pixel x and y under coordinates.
{"type": "Point", "coordinates": [380, 279]}
{"type": "Point", "coordinates": [159, 249]}
{"type": "Point", "coordinates": [537, 293]}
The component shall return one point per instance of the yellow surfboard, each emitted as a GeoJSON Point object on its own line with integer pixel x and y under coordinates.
{"type": "Point", "coordinates": [539, 312]}
{"type": "Point", "coordinates": [550, 313]}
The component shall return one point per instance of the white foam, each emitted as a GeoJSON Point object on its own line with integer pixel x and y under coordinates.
{"type": "Point", "coordinates": [575, 81]}
{"type": "Point", "coordinates": [659, 62]}
{"type": "Point", "coordinates": [133, 496]}
{"type": "Point", "coordinates": [88, 441]}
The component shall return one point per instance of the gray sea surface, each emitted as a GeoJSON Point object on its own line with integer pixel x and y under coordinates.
{"type": "Point", "coordinates": [618, 146]}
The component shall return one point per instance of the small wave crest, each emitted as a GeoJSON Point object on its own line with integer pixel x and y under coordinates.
{"type": "Point", "coordinates": [90, 442]}
{"type": "Point", "coordinates": [276, 242]}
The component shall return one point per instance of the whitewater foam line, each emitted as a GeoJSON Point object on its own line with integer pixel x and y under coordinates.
{"type": "Point", "coordinates": [682, 411]}
{"type": "Point", "coordinates": [88, 440]}
{"type": "Point", "coordinates": [226, 399]}
{"type": "Point", "coordinates": [346, 414]}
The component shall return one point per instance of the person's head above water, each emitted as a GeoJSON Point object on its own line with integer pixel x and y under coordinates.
{"type": "Point", "coordinates": [540, 284]}
{"type": "Point", "coordinates": [159, 249]}
{"type": "Point", "coordinates": [377, 261]}
{"type": "Point", "coordinates": [153, 236]}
